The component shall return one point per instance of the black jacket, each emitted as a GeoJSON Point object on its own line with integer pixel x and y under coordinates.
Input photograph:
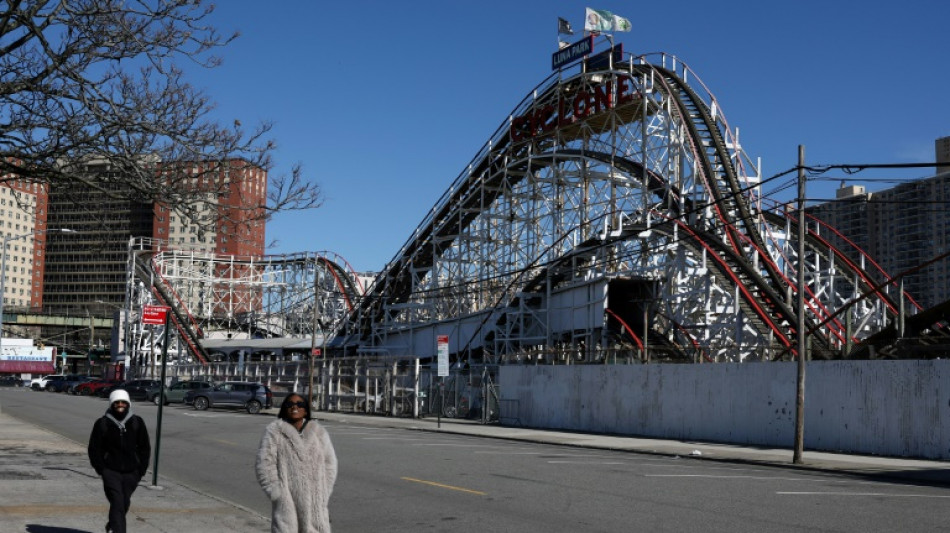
{"type": "Point", "coordinates": [122, 451]}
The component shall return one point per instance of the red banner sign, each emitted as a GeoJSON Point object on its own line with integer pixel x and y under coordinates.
{"type": "Point", "coordinates": [154, 314]}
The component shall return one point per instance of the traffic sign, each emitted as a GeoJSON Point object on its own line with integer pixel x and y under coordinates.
{"type": "Point", "coordinates": [442, 345]}
{"type": "Point", "coordinates": [154, 314]}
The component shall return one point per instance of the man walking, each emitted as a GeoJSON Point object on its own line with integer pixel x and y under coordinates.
{"type": "Point", "coordinates": [119, 451]}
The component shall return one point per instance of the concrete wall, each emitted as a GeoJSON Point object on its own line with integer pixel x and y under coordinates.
{"type": "Point", "coordinates": [891, 408]}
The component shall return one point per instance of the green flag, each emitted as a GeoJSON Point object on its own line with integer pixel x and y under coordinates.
{"type": "Point", "coordinates": [598, 20]}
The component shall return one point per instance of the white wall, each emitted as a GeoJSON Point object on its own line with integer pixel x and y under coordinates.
{"type": "Point", "coordinates": [893, 408]}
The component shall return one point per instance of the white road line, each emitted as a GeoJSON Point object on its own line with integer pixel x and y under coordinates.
{"type": "Point", "coordinates": [540, 453]}
{"type": "Point", "coordinates": [391, 438]}
{"type": "Point", "coordinates": [586, 463]}
{"type": "Point", "coordinates": [457, 445]}
{"type": "Point", "coordinates": [710, 476]}
{"type": "Point", "coordinates": [876, 494]}
{"type": "Point", "coordinates": [766, 478]}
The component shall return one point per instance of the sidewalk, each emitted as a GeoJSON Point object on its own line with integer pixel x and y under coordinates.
{"type": "Point", "coordinates": [47, 485]}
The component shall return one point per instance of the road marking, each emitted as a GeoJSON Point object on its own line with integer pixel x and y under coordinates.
{"type": "Point", "coordinates": [440, 485]}
{"type": "Point", "coordinates": [764, 478]}
{"type": "Point", "coordinates": [457, 445]}
{"type": "Point", "coordinates": [392, 438]}
{"type": "Point", "coordinates": [229, 443]}
{"type": "Point", "coordinates": [877, 494]}
{"type": "Point", "coordinates": [548, 454]}
{"type": "Point", "coordinates": [586, 463]}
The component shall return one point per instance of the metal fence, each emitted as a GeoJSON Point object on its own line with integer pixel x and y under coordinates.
{"type": "Point", "coordinates": [392, 387]}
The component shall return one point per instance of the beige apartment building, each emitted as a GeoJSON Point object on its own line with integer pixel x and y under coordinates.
{"type": "Point", "coordinates": [902, 227]}
{"type": "Point", "coordinates": [23, 215]}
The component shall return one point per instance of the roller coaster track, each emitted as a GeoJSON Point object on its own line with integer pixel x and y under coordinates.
{"type": "Point", "coordinates": [181, 319]}
{"type": "Point", "coordinates": [614, 207]}
{"type": "Point", "coordinates": [518, 221]}
{"type": "Point", "coordinates": [266, 297]}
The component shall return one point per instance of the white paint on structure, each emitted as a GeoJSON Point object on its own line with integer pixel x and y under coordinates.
{"type": "Point", "coordinates": [891, 408]}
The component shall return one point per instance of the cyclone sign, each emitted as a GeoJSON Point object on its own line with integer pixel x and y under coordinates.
{"type": "Point", "coordinates": [574, 107]}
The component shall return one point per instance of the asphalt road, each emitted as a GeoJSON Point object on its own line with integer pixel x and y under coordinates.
{"type": "Point", "coordinates": [403, 480]}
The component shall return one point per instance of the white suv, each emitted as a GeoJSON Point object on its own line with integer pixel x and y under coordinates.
{"type": "Point", "coordinates": [40, 383]}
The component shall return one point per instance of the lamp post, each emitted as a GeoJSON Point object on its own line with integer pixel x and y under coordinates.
{"type": "Point", "coordinates": [3, 266]}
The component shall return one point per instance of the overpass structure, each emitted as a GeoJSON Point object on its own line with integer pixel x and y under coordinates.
{"type": "Point", "coordinates": [613, 216]}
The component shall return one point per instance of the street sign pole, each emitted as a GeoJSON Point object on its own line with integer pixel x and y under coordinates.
{"type": "Point", "coordinates": [154, 314]}
{"type": "Point", "coordinates": [442, 349]}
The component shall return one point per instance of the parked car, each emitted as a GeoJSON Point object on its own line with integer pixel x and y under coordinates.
{"type": "Point", "coordinates": [10, 381]}
{"type": "Point", "coordinates": [175, 393]}
{"type": "Point", "coordinates": [70, 385]}
{"type": "Point", "coordinates": [242, 394]}
{"type": "Point", "coordinates": [92, 388]}
{"type": "Point", "coordinates": [64, 385]}
{"type": "Point", "coordinates": [40, 383]}
{"type": "Point", "coordinates": [137, 388]}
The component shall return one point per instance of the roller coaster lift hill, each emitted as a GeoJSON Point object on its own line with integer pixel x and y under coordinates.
{"type": "Point", "coordinates": [612, 218]}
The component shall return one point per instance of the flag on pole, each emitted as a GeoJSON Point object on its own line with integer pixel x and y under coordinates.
{"type": "Point", "coordinates": [564, 27]}
{"type": "Point", "coordinates": [598, 20]}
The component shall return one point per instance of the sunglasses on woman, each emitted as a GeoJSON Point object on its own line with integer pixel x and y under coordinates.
{"type": "Point", "coordinates": [298, 404]}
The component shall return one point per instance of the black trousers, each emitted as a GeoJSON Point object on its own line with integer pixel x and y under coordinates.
{"type": "Point", "coordinates": [119, 487]}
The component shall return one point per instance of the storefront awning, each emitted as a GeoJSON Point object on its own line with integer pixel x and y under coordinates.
{"type": "Point", "coordinates": [27, 367]}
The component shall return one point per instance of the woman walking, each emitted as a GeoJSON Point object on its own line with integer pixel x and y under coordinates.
{"type": "Point", "coordinates": [296, 467]}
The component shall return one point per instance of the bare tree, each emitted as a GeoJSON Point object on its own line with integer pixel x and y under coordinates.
{"type": "Point", "coordinates": [97, 84]}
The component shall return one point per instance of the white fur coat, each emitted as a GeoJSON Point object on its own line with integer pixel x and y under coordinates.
{"type": "Point", "coordinates": [297, 472]}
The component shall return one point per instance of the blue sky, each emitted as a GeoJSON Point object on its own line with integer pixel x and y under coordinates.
{"type": "Point", "coordinates": [384, 103]}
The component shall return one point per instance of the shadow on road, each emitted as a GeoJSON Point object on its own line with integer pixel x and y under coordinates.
{"type": "Point", "coordinates": [36, 528]}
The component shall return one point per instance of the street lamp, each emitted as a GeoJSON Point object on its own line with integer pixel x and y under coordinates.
{"type": "Point", "coordinates": [3, 266]}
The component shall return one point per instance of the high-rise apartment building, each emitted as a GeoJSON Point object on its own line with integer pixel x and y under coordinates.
{"type": "Point", "coordinates": [234, 220]}
{"type": "Point", "coordinates": [23, 212]}
{"type": "Point", "coordinates": [87, 268]}
{"type": "Point", "coordinates": [900, 228]}
{"type": "Point", "coordinates": [942, 149]}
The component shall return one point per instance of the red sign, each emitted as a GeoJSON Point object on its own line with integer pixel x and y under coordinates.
{"type": "Point", "coordinates": [316, 352]}
{"type": "Point", "coordinates": [571, 108]}
{"type": "Point", "coordinates": [154, 314]}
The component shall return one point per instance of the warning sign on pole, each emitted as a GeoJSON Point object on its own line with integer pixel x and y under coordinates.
{"type": "Point", "coordinates": [154, 314]}
{"type": "Point", "coordinates": [442, 344]}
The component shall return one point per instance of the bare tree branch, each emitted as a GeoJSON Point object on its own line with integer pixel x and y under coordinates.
{"type": "Point", "coordinates": [97, 84]}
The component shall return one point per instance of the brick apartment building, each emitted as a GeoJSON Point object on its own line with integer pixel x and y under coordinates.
{"type": "Point", "coordinates": [88, 267]}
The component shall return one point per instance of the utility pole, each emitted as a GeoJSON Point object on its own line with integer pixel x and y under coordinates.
{"type": "Point", "coordinates": [802, 348]}
{"type": "Point", "coordinates": [313, 335]}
